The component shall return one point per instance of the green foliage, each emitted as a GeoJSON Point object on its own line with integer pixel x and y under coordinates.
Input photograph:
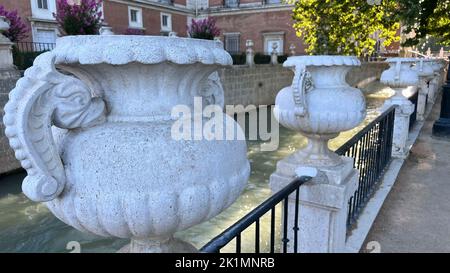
{"type": "Point", "coordinates": [423, 18]}
{"type": "Point", "coordinates": [345, 27]}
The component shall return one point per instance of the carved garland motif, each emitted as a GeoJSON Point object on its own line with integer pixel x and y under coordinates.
{"type": "Point", "coordinates": [301, 85]}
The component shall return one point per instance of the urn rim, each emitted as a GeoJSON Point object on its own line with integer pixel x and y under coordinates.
{"type": "Point", "coordinates": [125, 49]}
{"type": "Point", "coordinates": [403, 60]}
{"type": "Point", "coordinates": [322, 60]}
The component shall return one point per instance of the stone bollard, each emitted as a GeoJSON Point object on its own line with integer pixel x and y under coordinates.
{"type": "Point", "coordinates": [106, 30]}
{"type": "Point", "coordinates": [274, 54]}
{"type": "Point", "coordinates": [400, 76]}
{"type": "Point", "coordinates": [323, 202]}
{"type": "Point", "coordinates": [6, 58]}
{"type": "Point", "coordinates": [292, 50]}
{"type": "Point", "coordinates": [425, 73]}
{"type": "Point", "coordinates": [250, 54]}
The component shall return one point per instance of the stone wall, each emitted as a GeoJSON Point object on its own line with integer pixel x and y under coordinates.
{"type": "Point", "coordinates": [366, 73]}
{"type": "Point", "coordinates": [260, 84]}
{"type": "Point", "coordinates": [8, 162]}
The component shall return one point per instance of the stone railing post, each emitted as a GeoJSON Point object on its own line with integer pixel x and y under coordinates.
{"type": "Point", "coordinates": [400, 76]}
{"type": "Point", "coordinates": [6, 58]}
{"type": "Point", "coordinates": [323, 202]}
{"type": "Point", "coordinates": [250, 54]}
{"type": "Point", "coordinates": [435, 82]}
{"type": "Point", "coordinates": [274, 54]}
{"type": "Point", "coordinates": [425, 73]}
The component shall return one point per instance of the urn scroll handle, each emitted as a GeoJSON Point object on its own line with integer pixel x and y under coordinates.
{"type": "Point", "coordinates": [42, 98]}
{"type": "Point", "coordinates": [301, 84]}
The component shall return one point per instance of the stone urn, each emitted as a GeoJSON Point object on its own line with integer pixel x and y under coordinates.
{"type": "Point", "coordinates": [320, 104]}
{"type": "Point", "coordinates": [91, 124]}
{"type": "Point", "coordinates": [401, 74]}
{"type": "Point", "coordinates": [425, 72]}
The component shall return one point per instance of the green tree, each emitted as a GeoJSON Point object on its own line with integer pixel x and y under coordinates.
{"type": "Point", "coordinates": [345, 27]}
{"type": "Point", "coordinates": [425, 17]}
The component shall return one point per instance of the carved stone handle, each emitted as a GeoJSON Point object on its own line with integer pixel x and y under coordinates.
{"type": "Point", "coordinates": [42, 98]}
{"type": "Point", "coordinates": [301, 84]}
{"type": "Point", "coordinates": [398, 66]}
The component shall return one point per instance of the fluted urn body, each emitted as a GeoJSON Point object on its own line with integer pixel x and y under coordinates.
{"type": "Point", "coordinates": [320, 104]}
{"type": "Point", "coordinates": [112, 165]}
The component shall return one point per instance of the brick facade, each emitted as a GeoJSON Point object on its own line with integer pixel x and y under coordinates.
{"type": "Point", "coordinates": [254, 25]}
{"type": "Point", "coordinates": [252, 19]}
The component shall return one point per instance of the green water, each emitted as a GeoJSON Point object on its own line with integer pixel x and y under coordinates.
{"type": "Point", "coordinates": [26, 226]}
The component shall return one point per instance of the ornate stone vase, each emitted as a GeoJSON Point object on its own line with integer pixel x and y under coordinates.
{"type": "Point", "coordinates": [401, 74]}
{"type": "Point", "coordinates": [320, 104]}
{"type": "Point", "coordinates": [91, 124]}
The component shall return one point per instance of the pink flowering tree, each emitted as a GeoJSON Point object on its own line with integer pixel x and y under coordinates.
{"type": "Point", "coordinates": [18, 30]}
{"type": "Point", "coordinates": [78, 17]}
{"type": "Point", "coordinates": [204, 29]}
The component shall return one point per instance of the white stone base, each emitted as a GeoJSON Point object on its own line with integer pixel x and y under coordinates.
{"type": "Point", "coordinates": [323, 205]}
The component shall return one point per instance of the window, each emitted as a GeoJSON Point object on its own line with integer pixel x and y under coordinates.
{"type": "Point", "coordinates": [273, 1]}
{"type": "Point", "coordinates": [271, 39]}
{"type": "Point", "coordinates": [232, 44]}
{"type": "Point", "coordinates": [135, 17]}
{"type": "Point", "coordinates": [42, 4]}
{"type": "Point", "coordinates": [45, 36]}
{"type": "Point", "coordinates": [231, 3]}
{"type": "Point", "coordinates": [166, 22]}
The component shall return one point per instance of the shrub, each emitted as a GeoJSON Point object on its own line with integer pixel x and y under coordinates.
{"type": "Point", "coordinates": [204, 29]}
{"type": "Point", "coordinates": [262, 59]}
{"type": "Point", "coordinates": [81, 17]}
{"type": "Point", "coordinates": [282, 58]}
{"type": "Point", "coordinates": [134, 31]}
{"type": "Point", "coordinates": [238, 59]}
{"type": "Point", "coordinates": [17, 29]}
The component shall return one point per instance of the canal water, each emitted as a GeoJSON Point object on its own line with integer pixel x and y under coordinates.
{"type": "Point", "coordinates": [26, 226]}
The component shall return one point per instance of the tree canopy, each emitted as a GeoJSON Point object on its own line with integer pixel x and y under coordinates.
{"type": "Point", "coordinates": [425, 17]}
{"type": "Point", "coordinates": [352, 27]}
{"type": "Point", "coordinates": [345, 27]}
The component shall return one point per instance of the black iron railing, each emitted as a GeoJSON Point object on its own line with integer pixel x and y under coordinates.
{"type": "Point", "coordinates": [24, 53]}
{"type": "Point", "coordinates": [269, 206]}
{"type": "Point", "coordinates": [413, 118]}
{"type": "Point", "coordinates": [371, 150]}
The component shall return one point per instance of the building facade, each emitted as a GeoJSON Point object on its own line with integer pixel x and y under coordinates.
{"type": "Point", "coordinates": [265, 22]}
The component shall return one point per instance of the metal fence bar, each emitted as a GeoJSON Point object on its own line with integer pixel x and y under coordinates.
{"type": "Point", "coordinates": [252, 217]}
{"type": "Point", "coordinates": [371, 150]}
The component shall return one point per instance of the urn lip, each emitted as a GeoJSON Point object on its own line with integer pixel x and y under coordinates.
{"type": "Point", "coordinates": [322, 60]}
{"type": "Point", "coordinates": [402, 59]}
{"type": "Point", "coordinates": [125, 49]}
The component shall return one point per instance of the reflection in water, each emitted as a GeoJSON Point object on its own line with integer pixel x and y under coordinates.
{"type": "Point", "coordinates": [26, 226]}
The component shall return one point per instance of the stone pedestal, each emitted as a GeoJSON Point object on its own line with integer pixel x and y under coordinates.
{"type": "Point", "coordinates": [433, 90]}
{"type": "Point", "coordinates": [323, 205]}
{"type": "Point", "coordinates": [403, 109]}
{"type": "Point", "coordinates": [249, 53]}
{"type": "Point", "coordinates": [274, 54]}
{"type": "Point", "coordinates": [422, 100]}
